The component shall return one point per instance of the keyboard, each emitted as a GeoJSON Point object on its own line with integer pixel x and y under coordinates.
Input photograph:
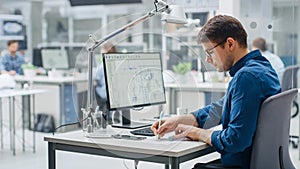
{"type": "Point", "coordinates": [143, 131]}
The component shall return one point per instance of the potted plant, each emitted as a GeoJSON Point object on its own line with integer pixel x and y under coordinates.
{"type": "Point", "coordinates": [181, 69]}
{"type": "Point", "coordinates": [29, 69]}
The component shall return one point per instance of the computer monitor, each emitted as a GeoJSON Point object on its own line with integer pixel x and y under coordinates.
{"type": "Point", "coordinates": [37, 57]}
{"type": "Point", "coordinates": [55, 58]}
{"type": "Point", "coordinates": [133, 80]}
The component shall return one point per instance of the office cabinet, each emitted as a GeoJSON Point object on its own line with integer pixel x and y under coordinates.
{"type": "Point", "coordinates": [69, 103]}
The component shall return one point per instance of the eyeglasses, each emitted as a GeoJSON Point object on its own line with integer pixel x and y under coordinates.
{"type": "Point", "coordinates": [208, 52]}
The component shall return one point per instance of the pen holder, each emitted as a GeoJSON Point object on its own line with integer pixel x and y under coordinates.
{"type": "Point", "coordinates": [84, 119]}
{"type": "Point", "coordinates": [100, 120]}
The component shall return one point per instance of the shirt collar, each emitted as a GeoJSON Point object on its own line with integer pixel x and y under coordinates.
{"type": "Point", "coordinates": [242, 61]}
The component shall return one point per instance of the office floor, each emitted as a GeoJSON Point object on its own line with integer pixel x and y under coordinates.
{"type": "Point", "coordinates": [29, 160]}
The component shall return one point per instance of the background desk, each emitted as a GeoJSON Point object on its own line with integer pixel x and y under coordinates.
{"type": "Point", "coordinates": [11, 94]}
{"type": "Point", "coordinates": [212, 92]}
{"type": "Point", "coordinates": [143, 150]}
{"type": "Point", "coordinates": [65, 98]}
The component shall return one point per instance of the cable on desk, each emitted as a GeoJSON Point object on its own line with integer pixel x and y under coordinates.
{"type": "Point", "coordinates": [69, 124]}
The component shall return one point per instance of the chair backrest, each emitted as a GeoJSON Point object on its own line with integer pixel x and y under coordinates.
{"type": "Point", "coordinates": [289, 77]}
{"type": "Point", "coordinates": [271, 140]}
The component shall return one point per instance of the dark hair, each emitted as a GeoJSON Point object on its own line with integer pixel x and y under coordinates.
{"type": "Point", "coordinates": [11, 42]}
{"type": "Point", "coordinates": [260, 43]}
{"type": "Point", "coordinates": [220, 27]}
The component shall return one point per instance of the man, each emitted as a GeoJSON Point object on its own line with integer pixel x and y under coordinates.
{"type": "Point", "coordinates": [11, 62]}
{"type": "Point", "coordinates": [253, 80]}
{"type": "Point", "coordinates": [276, 62]}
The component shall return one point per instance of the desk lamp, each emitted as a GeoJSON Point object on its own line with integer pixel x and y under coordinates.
{"type": "Point", "coordinates": [173, 14]}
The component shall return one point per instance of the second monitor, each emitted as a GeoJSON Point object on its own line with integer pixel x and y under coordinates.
{"type": "Point", "coordinates": [133, 80]}
{"type": "Point", "coordinates": [55, 58]}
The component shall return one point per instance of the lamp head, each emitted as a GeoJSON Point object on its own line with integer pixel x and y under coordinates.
{"type": "Point", "coordinates": [176, 15]}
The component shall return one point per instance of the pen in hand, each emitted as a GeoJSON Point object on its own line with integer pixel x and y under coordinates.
{"type": "Point", "coordinates": [159, 122]}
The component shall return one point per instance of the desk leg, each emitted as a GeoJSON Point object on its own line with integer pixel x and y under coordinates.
{"type": "Point", "coordinates": [23, 121]}
{"type": "Point", "coordinates": [173, 101]}
{"type": "Point", "coordinates": [167, 166]}
{"type": "Point", "coordinates": [51, 156]}
{"type": "Point", "coordinates": [62, 107]}
{"type": "Point", "coordinates": [12, 124]}
{"type": "Point", "coordinates": [33, 129]}
{"type": "Point", "coordinates": [1, 125]}
{"type": "Point", "coordinates": [174, 162]}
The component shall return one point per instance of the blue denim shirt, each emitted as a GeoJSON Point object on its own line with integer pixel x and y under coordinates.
{"type": "Point", "coordinates": [9, 63]}
{"type": "Point", "coordinates": [253, 81]}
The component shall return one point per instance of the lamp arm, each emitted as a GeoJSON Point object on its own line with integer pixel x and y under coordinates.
{"type": "Point", "coordinates": [163, 7]}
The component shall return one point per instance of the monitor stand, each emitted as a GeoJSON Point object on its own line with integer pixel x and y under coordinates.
{"type": "Point", "coordinates": [127, 123]}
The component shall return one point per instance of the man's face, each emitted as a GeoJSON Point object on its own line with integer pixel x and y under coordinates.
{"type": "Point", "coordinates": [13, 48]}
{"type": "Point", "coordinates": [218, 56]}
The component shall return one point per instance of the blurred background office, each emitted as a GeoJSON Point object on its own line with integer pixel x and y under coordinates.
{"type": "Point", "coordinates": [53, 36]}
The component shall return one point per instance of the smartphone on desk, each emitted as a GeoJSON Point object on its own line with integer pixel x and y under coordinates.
{"type": "Point", "coordinates": [128, 137]}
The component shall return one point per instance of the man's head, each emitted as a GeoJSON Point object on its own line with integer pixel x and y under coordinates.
{"type": "Point", "coordinates": [108, 47]}
{"type": "Point", "coordinates": [259, 43]}
{"type": "Point", "coordinates": [12, 46]}
{"type": "Point", "coordinates": [224, 40]}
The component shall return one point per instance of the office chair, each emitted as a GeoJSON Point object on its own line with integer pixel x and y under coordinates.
{"type": "Point", "coordinates": [271, 141]}
{"type": "Point", "coordinates": [289, 81]}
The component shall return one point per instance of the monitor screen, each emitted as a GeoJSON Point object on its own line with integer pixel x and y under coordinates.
{"type": "Point", "coordinates": [37, 57]}
{"type": "Point", "coordinates": [55, 58]}
{"type": "Point", "coordinates": [133, 80]}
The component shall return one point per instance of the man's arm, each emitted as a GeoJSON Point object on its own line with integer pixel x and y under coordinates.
{"type": "Point", "coordinates": [210, 115]}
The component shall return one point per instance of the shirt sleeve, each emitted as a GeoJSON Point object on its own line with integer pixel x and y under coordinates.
{"type": "Point", "coordinates": [245, 103]}
{"type": "Point", "coordinates": [210, 115]}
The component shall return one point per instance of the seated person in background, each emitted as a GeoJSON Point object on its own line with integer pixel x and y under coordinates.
{"type": "Point", "coordinates": [276, 62]}
{"type": "Point", "coordinates": [101, 96]}
{"type": "Point", "coordinates": [224, 41]}
{"type": "Point", "coordinates": [11, 62]}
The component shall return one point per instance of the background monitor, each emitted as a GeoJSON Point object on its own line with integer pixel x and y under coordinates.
{"type": "Point", "coordinates": [133, 80]}
{"type": "Point", "coordinates": [37, 57]}
{"type": "Point", "coordinates": [55, 58]}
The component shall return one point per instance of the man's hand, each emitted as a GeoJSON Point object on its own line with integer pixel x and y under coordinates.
{"type": "Point", "coordinates": [193, 133]}
{"type": "Point", "coordinates": [12, 72]}
{"type": "Point", "coordinates": [167, 125]}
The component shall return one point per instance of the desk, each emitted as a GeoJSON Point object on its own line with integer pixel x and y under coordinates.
{"type": "Point", "coordinates": [11, 94]}
{"type": "Point", "coordinates": [143, 150]}
{"type": "Point", "coordinates": [206, 87]}
{"type": "Point", "coordinates": [65, 110]}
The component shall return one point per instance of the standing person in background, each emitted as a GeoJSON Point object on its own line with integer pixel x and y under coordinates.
{"type": "Point", "coordinates": [11, 62]}
{"type": "Point", "coordinates": [101, 96]}
{"type": "Point", "coordinates": [276, 62]}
